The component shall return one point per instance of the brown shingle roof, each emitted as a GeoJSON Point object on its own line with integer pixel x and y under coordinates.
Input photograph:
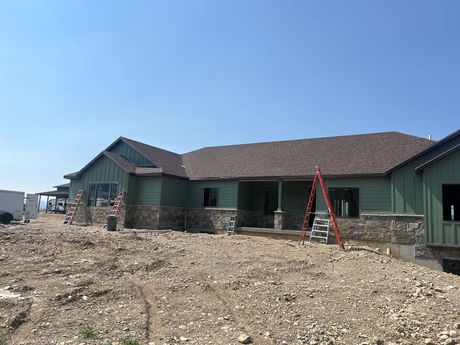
{"type": "Point", "coordinates": [122, 162]}
{"type": "Point", "coordinates": [366, 154]}
{"type": "Point", "coordinates": [169, 162]}
{"type": "Point", "coordinates": [351, 155]}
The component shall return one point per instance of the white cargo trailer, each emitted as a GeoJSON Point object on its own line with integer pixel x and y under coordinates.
{"type": "Point", "coordinates": [12, 202]}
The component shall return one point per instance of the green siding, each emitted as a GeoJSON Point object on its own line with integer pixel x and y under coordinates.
{"type": "Point", "coordinates": [407, 186]}
{"type": "Point", "coordinates": [75, 186]}
{"type": "Point", "coordinates": [102, 170]}
{"type": "Point", "coordinates": [407, 190]}
{"type": "Point", "coordinates": [174, 192]}
{"type": "Point", "coordinates": [294, 196]}
{"type": "Point", "coordinates": [445, 171]}
{"type": "Point", "coordinates": [131, 196]}
{"type": "Point", "coordinates": [374, 193]}
{"type": "Point", "coordinates": [227, 197]}
{"type": "Point", "coordinates": [130, 154]}
{"type": "Point", "coordinates": [145, 190]}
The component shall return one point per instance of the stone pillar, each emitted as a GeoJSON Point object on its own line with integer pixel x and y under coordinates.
{"type": "Point", "coordinates": [279, 220]}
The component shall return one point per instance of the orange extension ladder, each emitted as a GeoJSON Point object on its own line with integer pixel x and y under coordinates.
{"type": "Point", "coordinates": [303, 233]}
{"type": "Point", "coordinates": [70, 215]}
{"type": "Point", "coordinates": [115, 211]}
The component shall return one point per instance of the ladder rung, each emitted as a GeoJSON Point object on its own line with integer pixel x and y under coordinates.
{"type": "Point", "coordinates": [326, 231]}
{"type": "Point", "coordinates": [324, 238]}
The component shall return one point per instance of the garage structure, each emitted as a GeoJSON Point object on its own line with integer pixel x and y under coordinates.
{"type": "Point", "coordinates": [388, 189]}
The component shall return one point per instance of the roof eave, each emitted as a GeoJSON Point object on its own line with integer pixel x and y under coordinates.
{"type": "Point", "coordinates": [159, 175]}
{"type": "Point", "coordinates": [103, 153]}
{"type": "Point", "coordinates": [285, 177]}
{"type": "Point", "coordinates": [437, 158]}
{"type": "Point", "coordinates": [432, 147]}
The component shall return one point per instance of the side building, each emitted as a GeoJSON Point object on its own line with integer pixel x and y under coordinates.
{"type": "Point", "coordinates": [388, 189]}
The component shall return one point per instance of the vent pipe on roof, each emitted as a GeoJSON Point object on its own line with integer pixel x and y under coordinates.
{"type": "Point", "coordinates": [429, 137]}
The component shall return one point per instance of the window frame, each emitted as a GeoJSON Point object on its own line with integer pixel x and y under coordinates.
{"type": "Point", "coordinates": [91, 199]}
{"type": "Point", "coordinates": [92, 202]}
{"type": "Point", "coordinates": [446, 214]}
{"type": "Point", "coordinates": [203, 198]}
{"type": "Point", "coordinates": [330, 190]}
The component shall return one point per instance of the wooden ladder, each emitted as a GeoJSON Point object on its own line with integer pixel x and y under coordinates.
{"type": "Point", "coordinates": [70, 215]}
{"type": "Point", "coordinates": [303, 233]}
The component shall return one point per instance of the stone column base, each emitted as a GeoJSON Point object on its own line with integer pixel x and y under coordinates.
{"type": "Point", "coordinates": [279, 220]}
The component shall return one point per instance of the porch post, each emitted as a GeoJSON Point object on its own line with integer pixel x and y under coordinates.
{"type": "Point", "coordinates": [279, 214]}
{"type": "Point", "coordinates": [280, 192]}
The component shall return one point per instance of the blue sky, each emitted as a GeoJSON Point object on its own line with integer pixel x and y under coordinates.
{"type": "Point", "coordinates": [75, 75]}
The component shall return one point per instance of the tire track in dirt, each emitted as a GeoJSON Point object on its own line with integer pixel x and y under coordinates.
{"type": "Point", "coordinates": [153, 327]}
{"type": "Point", "coordinates": [33, 317]}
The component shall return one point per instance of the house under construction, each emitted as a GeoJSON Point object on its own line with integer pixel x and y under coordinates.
{"type": "Point", "coordinates": [388, 189]}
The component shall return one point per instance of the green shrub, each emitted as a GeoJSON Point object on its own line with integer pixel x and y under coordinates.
{"type": "Point", "coordinates": [88, 332]}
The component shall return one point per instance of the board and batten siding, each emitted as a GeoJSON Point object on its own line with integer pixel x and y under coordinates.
{"type": "Point", "coordinates": [438, 231]}
{"type": "Point", "coordinates": [75, 186]}
{"type": "Point", "coordinates": [103, 170]}
{"type": "Point", "coordinates": [130, 154]}
{"type": "Point", "coordinates": [407, 186]}
{"type": "Point", "coordinates": [374, 193]}
{"type": "Point", "coordinates": [227, 195]}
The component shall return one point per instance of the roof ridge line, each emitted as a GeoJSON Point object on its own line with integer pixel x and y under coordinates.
{"type": "Point", "coordinates": [305, 139]}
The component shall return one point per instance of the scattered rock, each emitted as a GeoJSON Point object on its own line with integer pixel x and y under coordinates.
{"type": "Point", "coordinates": [244, 339]}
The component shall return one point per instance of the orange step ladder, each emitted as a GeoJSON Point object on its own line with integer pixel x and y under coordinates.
{"type": "Point", "coordinates": [303, 233]}
{"type": "Point", "coordinates": [115, 211]}
{"type": "Point", "coordinates": [70, 215]}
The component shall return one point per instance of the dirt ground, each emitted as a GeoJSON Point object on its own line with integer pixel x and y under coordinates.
{"type": "Point", "coordinates": [62, 284]}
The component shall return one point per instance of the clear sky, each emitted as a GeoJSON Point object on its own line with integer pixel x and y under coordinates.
{"type": "Point", "coordinates": [180, 75]}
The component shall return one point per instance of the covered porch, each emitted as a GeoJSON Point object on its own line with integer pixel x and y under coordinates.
{"type": "Point", "coordinates": [274, 206]}
{"type": "Point", "coordinates": [59, 203]}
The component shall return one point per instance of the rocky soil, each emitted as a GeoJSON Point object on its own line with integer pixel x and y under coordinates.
{"type": "Point", "coordinates": [62, 284]}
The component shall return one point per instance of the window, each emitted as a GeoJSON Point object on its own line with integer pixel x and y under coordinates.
{"type": "Point", "coordinates": [113, 193]}
{"type": "Point", "coordinates": [210, 197]}
{"type": "Point", "coordinates": [102, 194]}
{"type": "Point", "coordinates": [451, 202]}
{"type": "Point", "coordinates": [270, 202]}
{"type": "Point", "coordinates": [92, 194]}
{"type": "Point", "coordinates": [345, 201]}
